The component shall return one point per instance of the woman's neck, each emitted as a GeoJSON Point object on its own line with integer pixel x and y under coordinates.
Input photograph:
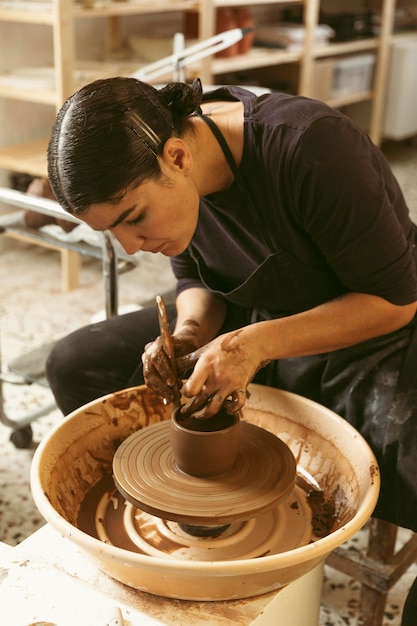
{"type": "Point", "coordinates": [212, 166]}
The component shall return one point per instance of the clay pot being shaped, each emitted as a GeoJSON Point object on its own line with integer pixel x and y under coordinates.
{"type": "Point", "coordinates": [205, 447]}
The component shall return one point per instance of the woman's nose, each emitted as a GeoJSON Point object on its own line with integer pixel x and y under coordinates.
{"type": "Point", "coordinates": [129, 242]}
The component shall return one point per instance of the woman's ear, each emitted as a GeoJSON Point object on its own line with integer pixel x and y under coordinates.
{"type": "Point", "coordinates": [177, 155]}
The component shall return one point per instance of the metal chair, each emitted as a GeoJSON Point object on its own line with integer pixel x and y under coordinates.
{"type": "Point", "coordinates": [29, 368]}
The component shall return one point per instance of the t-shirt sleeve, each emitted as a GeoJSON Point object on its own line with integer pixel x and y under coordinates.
{"type": "Point", "coordinates": [347, 201]}
{"type": "Point", "coordinates": [186, 272]}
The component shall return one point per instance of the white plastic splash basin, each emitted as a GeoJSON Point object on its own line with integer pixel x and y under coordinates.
{"type": "Point", "coordinates": [329, 452]}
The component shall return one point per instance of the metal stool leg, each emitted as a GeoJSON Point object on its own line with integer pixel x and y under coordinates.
{"type": "Point", "coordinates": [21, 434]}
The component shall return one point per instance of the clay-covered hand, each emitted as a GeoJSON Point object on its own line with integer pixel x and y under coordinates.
{"type": "Point", "coordinates": [158, 372]}
{"type": "Point", "coordinates": [223, 368]}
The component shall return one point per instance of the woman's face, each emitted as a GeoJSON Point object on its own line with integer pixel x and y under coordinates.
{"type": "Point", "coordinates": [158, 216]}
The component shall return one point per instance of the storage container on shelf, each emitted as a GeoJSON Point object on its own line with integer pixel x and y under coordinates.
{"type": "Point", "coordinates": [352, 74]}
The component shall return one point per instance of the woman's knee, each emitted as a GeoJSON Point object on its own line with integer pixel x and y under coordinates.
{"type": "Point", "coordinates": [82, 367]}
{"type": "Point", "coordinates": [100, 358]}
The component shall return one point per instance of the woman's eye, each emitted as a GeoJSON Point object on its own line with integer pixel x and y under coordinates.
{"type": "Point", "coordinates": [136, 221]}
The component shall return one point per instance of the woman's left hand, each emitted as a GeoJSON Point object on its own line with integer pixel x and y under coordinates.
{"type": "Point", "coordinates": [223, 368]}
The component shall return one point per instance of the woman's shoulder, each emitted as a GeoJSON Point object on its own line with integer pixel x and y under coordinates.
{"type": "Point", "coordinates": [273, 107]}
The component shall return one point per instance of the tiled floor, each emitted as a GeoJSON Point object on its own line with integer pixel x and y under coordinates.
{"type": "Point", "coordinates": [33, 310]}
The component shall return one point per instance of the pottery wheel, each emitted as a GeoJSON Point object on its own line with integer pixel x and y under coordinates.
{"type": "Point", "coordinates": [285, 527]}
{"type": "Point", "coordinates": [146, 474]}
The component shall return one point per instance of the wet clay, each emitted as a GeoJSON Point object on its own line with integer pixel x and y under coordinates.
{"type": "Point", "coordinates": [205, 448]}
{"type": "Point", "coordinates": [323, 508]}
{"type": "Point", "coordinates": [146, 473]}
{"type": "Point", "coordinates": [106, 516]}
{"type": "Point", "coordinates": [220, 421]}
{"type": "Point", "coordinates": [123, 526]}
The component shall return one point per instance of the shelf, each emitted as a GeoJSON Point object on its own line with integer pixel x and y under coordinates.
{"type": "Point", "coordinates": [239, 3]}
{"type": "Point", "coordinates": [41, 13]}
{"type": "Point", "coordinates": [257, 57]}
{"type": "Point", "coordinates": [403, 36]}
{"type": "Point", "coordinates": [347, 99]}
{"type": "Point", "coordinates": [35, 93]}
{"type": "Point", "coordinates": [28, 158]}
{"type": "Point", "coordinates": [141, 7]}
{"type": "Point", "coordinates": [33, 13]}
{"type": "Point", "coordinates": [37, 84]}
{"type": "Point", "coordinates": [346, 47]}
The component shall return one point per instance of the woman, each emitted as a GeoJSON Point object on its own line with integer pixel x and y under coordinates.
{"type": "Point", "coordinates": [291, 243]}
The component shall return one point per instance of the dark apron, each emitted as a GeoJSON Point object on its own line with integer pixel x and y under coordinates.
{"type": "Point", "coordinates": [373, 385]}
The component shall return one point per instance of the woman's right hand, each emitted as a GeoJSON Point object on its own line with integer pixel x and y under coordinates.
{"type": "Point", "coordinates": [158, 371]}
{"type": "Point", "coordinates": [200, 315]}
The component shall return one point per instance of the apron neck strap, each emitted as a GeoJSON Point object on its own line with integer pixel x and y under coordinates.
{"type": "Point", "coordinates": [244, 191]}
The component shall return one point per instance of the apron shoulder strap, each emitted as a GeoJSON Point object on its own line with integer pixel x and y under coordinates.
{"type": "Point", "coordinates": [246, 196]}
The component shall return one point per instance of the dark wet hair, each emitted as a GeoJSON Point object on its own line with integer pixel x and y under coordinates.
{"type": "Point", "coordinates": [107, 136]}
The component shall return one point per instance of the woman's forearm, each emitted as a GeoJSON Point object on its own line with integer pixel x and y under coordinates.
{"type": "Point", "coordinates": [230, 361]}
{"type": "Point", "coordinates": [344, 322]}
{"type": "Point", "coordinates": [200, 314]}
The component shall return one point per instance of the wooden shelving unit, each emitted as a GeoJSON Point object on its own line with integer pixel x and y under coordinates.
{"type": "Point", "coordinates": [67, 75]}
{"type": "Point", "coordinates": [380, 45]}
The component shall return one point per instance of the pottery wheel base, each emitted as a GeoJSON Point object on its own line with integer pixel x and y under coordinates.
{"type": "Point", "coordinates": [106, 515]}
{"type": "Point", "coordinates": [146, 474]}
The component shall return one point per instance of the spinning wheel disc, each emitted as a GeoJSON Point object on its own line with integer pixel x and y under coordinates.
{"type": "Point", "coordinates": [146, 474]}
{"type": "Point", "coordinates": [116, 522]}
